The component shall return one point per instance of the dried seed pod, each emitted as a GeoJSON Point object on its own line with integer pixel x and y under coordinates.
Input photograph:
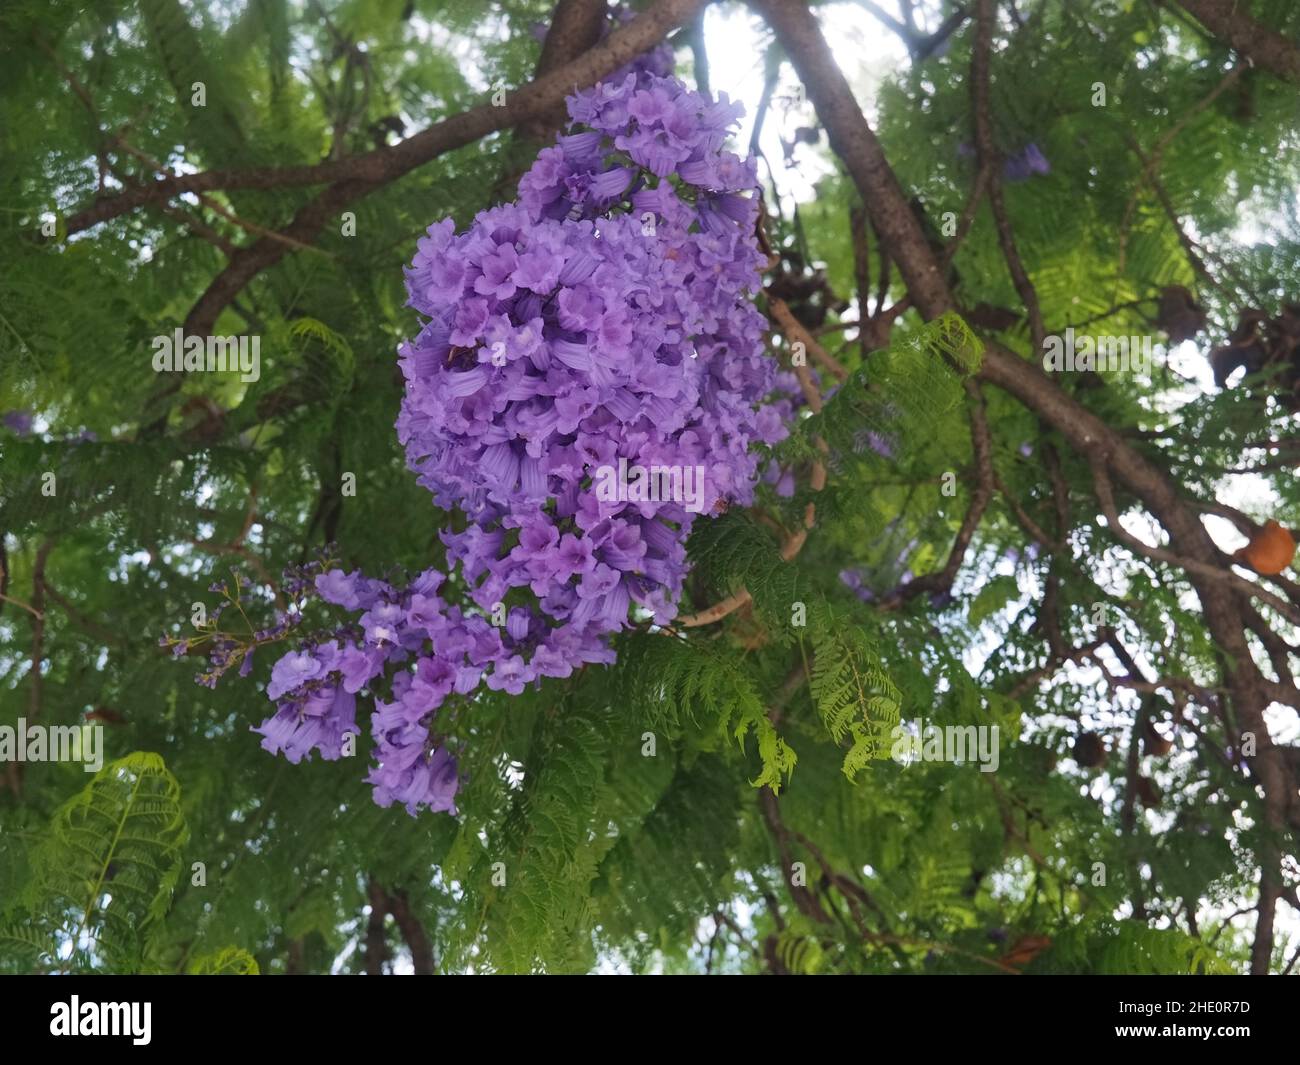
{"type": "Point", "coordinates": [1179, 314]}
{"type": "Point", "coordinates": [1153, 742]}
{"type": "Point", "coordinates": [1089, 750]}
{"type": "Point", "coordinates": [1270, 550]}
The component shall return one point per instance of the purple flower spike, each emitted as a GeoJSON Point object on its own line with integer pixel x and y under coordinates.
{"type": "Point", "coordinates": [590, 378]}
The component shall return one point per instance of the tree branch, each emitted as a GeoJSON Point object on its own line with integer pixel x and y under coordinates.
{"type": "Point", "coordinates": [941, 581]}
{"type": "Point", "coordinates": [417, 939]}
{"type": "Point", "coordinates": [376, 169]}
{"type": "Point", "coordinates": [853, 140]}
{"type": "Point", "coordinates": [1106, 497]}
{"type": "Point", "coordinates": [990, 166]}
{"type": "Point", "coordinates": [376, 941]}
{"type": "Point", "coordinates": [1227, 21]}
{"type": "Point", "coordinates": [575, 27]}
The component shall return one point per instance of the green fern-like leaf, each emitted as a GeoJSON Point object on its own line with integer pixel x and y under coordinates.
{"type": "Point", "coordinates": [104, 875]}
{"type": "Point", "coordinates": [1129, 948]}
{"type": "Point", "coordinates": [801, 954]}
{"type": "Point", "coordinates": [670, 681]}
{"type": "Point", "coordinates": [231, 961]}
{"type": "Point", "coordinates": [853, 694]}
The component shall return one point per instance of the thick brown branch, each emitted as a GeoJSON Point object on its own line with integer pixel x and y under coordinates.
{"type": "Point", "coordinates": [417, 939]}
{"type": "Point", "coordinates": [575, 27]}
{"type": "Point", "coordinates": [804, 900]}
{"type": "Point", "coordinates": [853, 141]}
{"type": "Point", "coordinates": [527, 105]}
{"type": "Point", "coordinates": [376, 941]}
{"type": "Point", "coordinates": [376, 169]}
{"type": "Point", "coordinates": [1227, 20]}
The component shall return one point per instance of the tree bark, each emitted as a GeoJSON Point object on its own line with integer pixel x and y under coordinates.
{"type": "Point", "coordinates": [1227, 20]}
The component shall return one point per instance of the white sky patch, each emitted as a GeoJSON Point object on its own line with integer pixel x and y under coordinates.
{"type": "Point", "coordinates": [736, 39]}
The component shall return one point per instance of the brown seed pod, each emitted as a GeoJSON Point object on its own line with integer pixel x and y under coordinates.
{"type": "Point", "coordinates": [1025, 949]}
{"type": "Point", "coordinates": [1089, 750]}
{"type": "Point", "coordinates": [1270, 550]}
{"type": "Point", "coordinates": [1179, 315]}
{"type": "Point", "coordinates": [1153, 742]}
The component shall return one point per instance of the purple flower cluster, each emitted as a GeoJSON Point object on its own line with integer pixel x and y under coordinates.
{"type": "Point", "coordinates": [604, 316]}
{"type": "Point", "coordinates": [22, 423]}
{"type": "Point", "coordinates": [228, 649]}
{"type": "Point", "coordinates": [1019, 166]}
{"type": "Point", "coordinates": [18, 422]}
{"type": "Point", "coordinates": [1025, 164]}
{"type": "Point", "coordinates": [854, 580]}
{"type": "Point", "coordinates": [782, 409]}
{"type": "Point", "coordinates": [316, 686]}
